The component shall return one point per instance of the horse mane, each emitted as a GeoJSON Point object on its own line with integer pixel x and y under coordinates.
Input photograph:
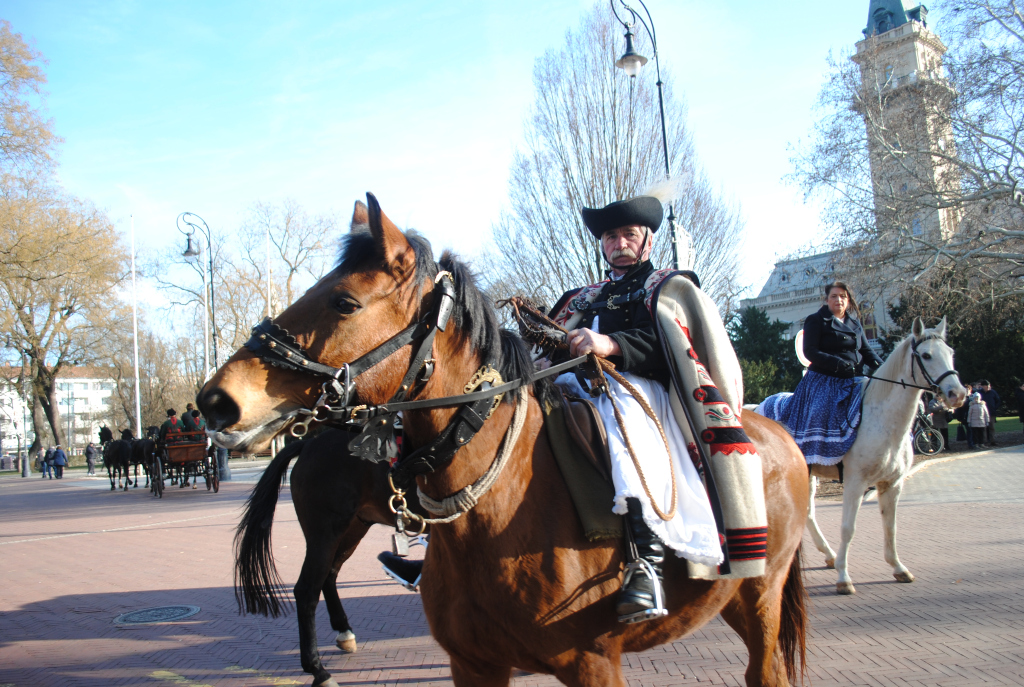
{"type": "Point", "coordinates": [358, 247]}
{"type": "Point", "coordinates": [473, 315]}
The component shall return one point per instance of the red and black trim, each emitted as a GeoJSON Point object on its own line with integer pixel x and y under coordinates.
{"type": "Point", "coordinates": [747, 544]}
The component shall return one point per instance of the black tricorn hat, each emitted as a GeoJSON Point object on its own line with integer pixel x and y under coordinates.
{"type": "Point", "coordinates": [645, 211]}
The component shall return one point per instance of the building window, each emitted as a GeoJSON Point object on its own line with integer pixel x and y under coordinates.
{"type": "Point", "coordinates": [916, 226]}
{"type": "Point", "coordinates": [869, 324]}
{"type": "Point", "coordinates": [888, 73]}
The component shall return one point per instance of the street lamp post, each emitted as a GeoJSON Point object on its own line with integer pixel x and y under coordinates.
{"type": "Point", "coordinates": [192, 250]}
{"type": "Point", "coordinates": [632, 62]}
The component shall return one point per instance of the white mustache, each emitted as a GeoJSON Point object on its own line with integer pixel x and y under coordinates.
{"type": "Point", "coordinates": [622, 253]}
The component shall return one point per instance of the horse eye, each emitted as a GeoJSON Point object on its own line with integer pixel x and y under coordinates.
{"type": "Point", "coordinates": [926, 356]}
{"type": "Point", "coordinates": [346, 306]}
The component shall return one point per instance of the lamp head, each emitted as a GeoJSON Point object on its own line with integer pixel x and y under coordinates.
{"type": "Point", "coordinates": [192, 249]}
{"type": "Point", "coordinates": [631, 61]}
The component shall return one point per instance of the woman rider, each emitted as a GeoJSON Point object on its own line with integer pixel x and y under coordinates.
{"type": "Point", "coordinates": [823, 413]}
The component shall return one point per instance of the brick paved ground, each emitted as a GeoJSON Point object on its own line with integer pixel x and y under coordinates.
{"type": "Point", "coordinates": [74, 555]}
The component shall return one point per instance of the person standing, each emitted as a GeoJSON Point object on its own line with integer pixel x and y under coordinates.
{"type": "Point", "coordinates": [960, 415]}
{"type": "Point", "coordinates": [1018, 393]}
{"type": "Point", "coordinates": [993, 402]}
{"type": "Point", "coordinates": [60, 461]}
{"type": "Point", "coordinates": [90, 458]}
{"type": "Point", "coordinates": [48, 463]}
{"type": "Point", "coordinates": [940, 420]}
{"type": "Point", "coordinates": [977, 418]}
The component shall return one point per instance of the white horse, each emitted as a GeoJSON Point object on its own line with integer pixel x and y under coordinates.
{"type": "Point", "coordinates": [882, 454]}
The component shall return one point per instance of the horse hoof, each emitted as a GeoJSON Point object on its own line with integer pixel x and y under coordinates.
{"type": "Point", "coordinates": [346, 641]}
{"type": "Point", "coordinates": [329, 682]}
{"type": "Point", "coordinates": [904, 576]}
{"type": "Point", "coordinates": [845, 588]}
{"type": "Point", "coordinates": [830, 563]}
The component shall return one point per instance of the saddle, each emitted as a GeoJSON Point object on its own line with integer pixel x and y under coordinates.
{"type": "Point", "coordinates": [580, 444]}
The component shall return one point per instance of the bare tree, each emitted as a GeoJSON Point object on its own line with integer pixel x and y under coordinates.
{"type": "Point", "coordinates": [300, 244]}
{"type": "Point", "coordinates": [921, 174]}
{"type": "Point", "coordinates": [593, 137]}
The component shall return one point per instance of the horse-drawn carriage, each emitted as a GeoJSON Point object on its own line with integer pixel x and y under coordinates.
{"type": "Point", "coordinates": [185, 456]}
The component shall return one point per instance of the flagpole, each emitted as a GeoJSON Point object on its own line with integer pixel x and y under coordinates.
{"type": "Point", "coordinates": [135, 339]}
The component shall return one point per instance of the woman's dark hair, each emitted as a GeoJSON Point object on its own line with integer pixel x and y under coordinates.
{"type": "Point", "coordinates": [842, 285]}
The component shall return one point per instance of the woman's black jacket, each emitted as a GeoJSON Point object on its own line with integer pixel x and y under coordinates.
{"type": "Point", "coordinates": [837, 349]}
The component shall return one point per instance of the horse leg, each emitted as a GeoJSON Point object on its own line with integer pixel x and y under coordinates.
{"type": "Point", "coordinates": [756, 613]}
{"type": "Point", "coordinates": [346, 639]}
{"type": "Point", "coordinates": [812, 526]}
{"type": "Point", "coordinates": [110, 476]}
{"type": "Point", "coordinates": [470, 674]}
{"type": "Point", "coordinates": [888, 497]}
{"type": "Point", "coordinates": [592, 670]}
{"type": "Point", "coordinates": [315, 569]}
{"type": "Point", "coordinates": [853, 494]}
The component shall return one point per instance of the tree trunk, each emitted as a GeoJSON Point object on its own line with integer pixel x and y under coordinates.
{"type": "Point", "coordinates": [46, 396]}
{"type": "Point", "coordinates": [38, 425]}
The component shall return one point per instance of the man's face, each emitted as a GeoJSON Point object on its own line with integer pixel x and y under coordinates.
{"type": "Point", "coordinates": [622, 245]}
{"type": "Point", "coordinates": [986, 387]}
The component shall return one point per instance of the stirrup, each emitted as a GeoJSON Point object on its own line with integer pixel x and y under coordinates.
{"type": "Point", "coordinates": [659, 609]}
{"type": "Point", "coordinates": [411, 585]}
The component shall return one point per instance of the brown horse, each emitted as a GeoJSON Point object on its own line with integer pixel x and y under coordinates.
{"type": "Point", "coordinates": [513, 583]}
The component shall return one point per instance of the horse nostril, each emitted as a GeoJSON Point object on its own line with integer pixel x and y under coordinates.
{"type": "Point", "coordinates": [219, 408]}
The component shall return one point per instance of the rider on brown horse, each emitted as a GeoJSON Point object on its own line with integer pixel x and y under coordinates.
{"type": "Point", "coordinates": [612, 320]}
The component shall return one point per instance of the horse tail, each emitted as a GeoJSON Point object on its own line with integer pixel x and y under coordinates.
{"type": "Point", "coordinates": [258, 587]}
{"type": "Point", "coordinates": [793, 627]}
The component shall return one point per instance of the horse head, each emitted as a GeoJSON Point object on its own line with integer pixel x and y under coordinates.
{"type": "Point", "coordinates": [383, 285]}
{"type": "Point", "coordinates": [931, 363]}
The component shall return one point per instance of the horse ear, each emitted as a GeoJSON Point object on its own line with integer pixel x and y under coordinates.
{"type": "Point", "coordinates": [918, 329]}
{"type": "Point", "coordinates": [941, 329]}
{"type": "Point", "coordinates": [392, 245]}
{"type": "Point", "coordinates": [360, 217]}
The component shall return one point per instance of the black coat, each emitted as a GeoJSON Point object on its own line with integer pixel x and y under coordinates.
{"type": "Point", "coordinates": [837, 349]}
{"type": "Point", "coordinates": [630, 324]}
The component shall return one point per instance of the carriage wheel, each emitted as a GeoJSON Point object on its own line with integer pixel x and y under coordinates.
{"type": "Point", "coordinates": [158, 477]}
{"type": "Point", "coordinates": [928, 442]}
{"type": "Point", "coordinates": [209, 478]}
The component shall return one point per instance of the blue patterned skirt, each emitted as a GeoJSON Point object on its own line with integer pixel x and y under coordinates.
{"type": "Point", "coordinates": [823, 415]}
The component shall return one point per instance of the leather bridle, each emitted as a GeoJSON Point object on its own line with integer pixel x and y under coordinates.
{"type": "Point", "coordinates": [917, 362]}
{"type": "Point", "coordinates": [375, 424]}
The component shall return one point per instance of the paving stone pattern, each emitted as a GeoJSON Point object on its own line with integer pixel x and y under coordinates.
{"type": "Point", "coordinates": [74, 556]}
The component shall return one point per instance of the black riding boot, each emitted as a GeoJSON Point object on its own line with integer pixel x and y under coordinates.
{"type": "Point", "coordinates": [638, 600]}
{"type": "Point", "coordinates": [404, 572]}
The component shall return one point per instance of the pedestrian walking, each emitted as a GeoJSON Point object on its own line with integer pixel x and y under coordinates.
{"type": "Point", "coordinates": [1019, 395]}
{"type": "Point", "coordinates": [977, 418]}
{"type": "Point", "coordinates": [60, 461]}
{"type": "Point", "coordinates": [48, 463]}
{"type": "Point", "coordinates": [90, 458]}
{"type": "Point", "coordinates": [993, 403]}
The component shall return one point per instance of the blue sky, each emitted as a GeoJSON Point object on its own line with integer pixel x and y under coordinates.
{"type": "Point", "coordinates": [209, 107]}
